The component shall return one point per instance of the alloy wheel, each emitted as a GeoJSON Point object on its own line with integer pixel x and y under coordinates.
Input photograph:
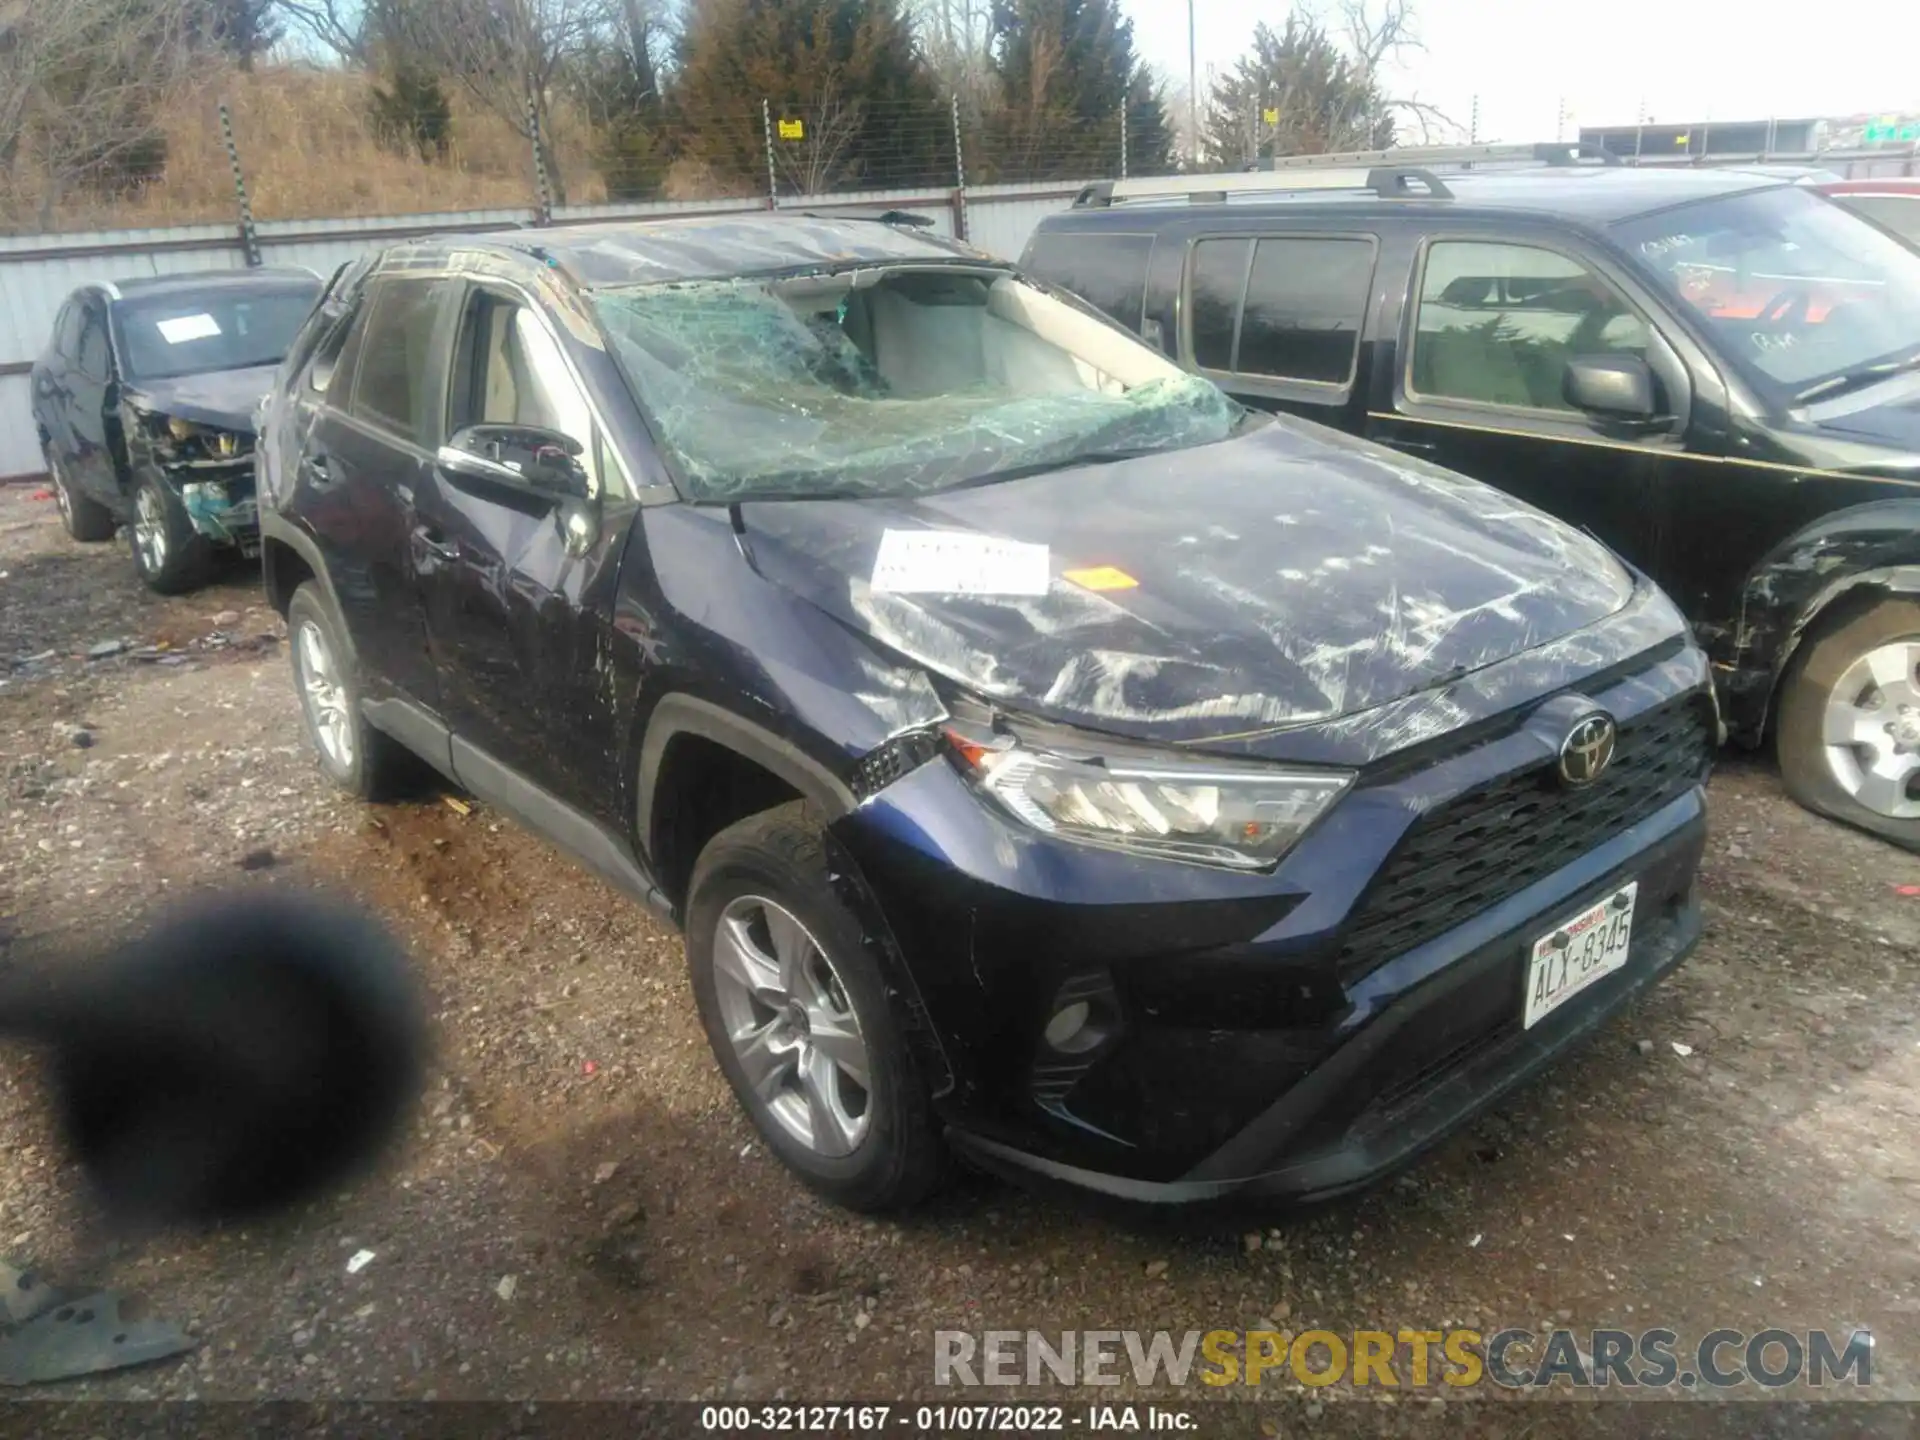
{"type": "Point", "coordinates": [150, 530]}
{"type": "Point", "coordinates": [792, 1026]}
{"type": "Point", "coordinates": [1872, 730]}
{"type": "Point", "coordinates": [324, 694]}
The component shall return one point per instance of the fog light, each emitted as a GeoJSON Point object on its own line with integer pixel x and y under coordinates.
{"type": "Point", "coordinates": [1077, 1027]}
{"type": "Point", "coordinates": [1067, 1022]}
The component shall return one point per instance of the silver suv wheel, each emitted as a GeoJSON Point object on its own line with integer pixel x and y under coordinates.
{"type": "Point", "coordinates": [791, 1025]}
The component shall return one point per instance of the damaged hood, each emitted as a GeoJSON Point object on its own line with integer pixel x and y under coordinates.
{"type": "Point", "coordinates": [1287, 577]}
{"type": "Point", "coordinates": [225, 398]}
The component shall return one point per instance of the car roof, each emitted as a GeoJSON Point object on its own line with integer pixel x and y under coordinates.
{"type": "Point", "coordinates": [714, 247]}
{"type": "Point", "coordinates": [1595, 195]}
{"type": "Point", "coordinates": [200, 281]}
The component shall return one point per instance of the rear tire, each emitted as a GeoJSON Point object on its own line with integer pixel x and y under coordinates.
{"type": "Point", "coordinates": [84, 518]}
{"type": "Point", "coordinates": [169, 554]}
{"type": "Point", "coordinates": [787, 984]}
{"type": "Point", "coordinates": [1849, 729]}
{"type": "Point", "coordinates": [361, 760]}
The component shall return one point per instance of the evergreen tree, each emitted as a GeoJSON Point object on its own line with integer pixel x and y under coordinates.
{"type": "Point", "coordinates": [1293, 93]}
{"type": "Point", "coordinates": [1067, 72]}
{"type": "Point", "coordinates": [858, 104]}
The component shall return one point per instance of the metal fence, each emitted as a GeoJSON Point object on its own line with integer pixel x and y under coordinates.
{"type": "Point", "coordinates": [37, 272]}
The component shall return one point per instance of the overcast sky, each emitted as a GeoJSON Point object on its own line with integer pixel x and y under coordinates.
{"type": "Point", "coordinates": [1684, 59]}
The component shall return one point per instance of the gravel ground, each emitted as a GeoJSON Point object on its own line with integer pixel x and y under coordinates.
{"type": "Point", "coordinates": [580, 1211]}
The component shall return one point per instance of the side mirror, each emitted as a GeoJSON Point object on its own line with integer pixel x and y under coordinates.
{"type": "Point", "coordinates": [1617, 387]}
{"type": "Point", "coordinates": [524, 455]}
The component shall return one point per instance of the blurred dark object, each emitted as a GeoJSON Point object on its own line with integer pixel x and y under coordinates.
{"type": "Point", "coordinates": [244, 1055]}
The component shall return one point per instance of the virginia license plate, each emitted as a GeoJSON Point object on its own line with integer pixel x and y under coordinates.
{"type": "Point", "coordinates": [1578, 952]}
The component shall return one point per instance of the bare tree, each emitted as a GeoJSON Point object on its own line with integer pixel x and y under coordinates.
{"type": "Point", "coordinates": [956, 36]}
{"type": "Point", "coordinates": [1379, 34]}
{"type": "Point", "coordinates": [512, 56]}
{"type": "Point", "coordinates": [818, 160]}
{"type": "Point", "coordinates": [340, 25]}
{"type": "Point", "coordinates": [80, 83]}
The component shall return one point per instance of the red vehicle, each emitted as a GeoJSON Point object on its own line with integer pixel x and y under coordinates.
{"type": "Point", "coordinates": [1891, 201]}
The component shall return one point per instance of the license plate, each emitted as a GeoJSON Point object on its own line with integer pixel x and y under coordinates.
{"type": "Point", "coordinates": [1576, 953]}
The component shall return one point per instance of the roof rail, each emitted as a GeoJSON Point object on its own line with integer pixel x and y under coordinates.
{"type": "Point", "coordinates": [1553, 152]}
{"type": "Point", "coordinates": [1386, 181]}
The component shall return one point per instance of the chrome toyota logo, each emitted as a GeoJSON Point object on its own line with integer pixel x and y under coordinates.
{"type": "Point", "coordinates": [1587, 750]}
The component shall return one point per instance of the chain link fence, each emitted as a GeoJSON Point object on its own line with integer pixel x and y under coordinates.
{"type": "Point", "coordinates": [297, 143]}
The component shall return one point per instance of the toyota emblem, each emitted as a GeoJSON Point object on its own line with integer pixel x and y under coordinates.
{"type": "Point", "coordinates": [1587, 750]}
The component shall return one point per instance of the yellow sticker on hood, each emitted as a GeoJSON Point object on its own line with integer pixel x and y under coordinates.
{"type": "Point", "coordinates": [1101, 577]}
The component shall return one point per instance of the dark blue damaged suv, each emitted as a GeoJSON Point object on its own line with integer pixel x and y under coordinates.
{"type": "Point", "coordinates": [1047, 759]}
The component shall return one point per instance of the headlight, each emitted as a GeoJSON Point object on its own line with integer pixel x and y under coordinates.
{"type": "Point", "coordinates": [1176, 807]}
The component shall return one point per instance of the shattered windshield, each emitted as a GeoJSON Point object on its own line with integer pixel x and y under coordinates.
{"type": "Point", "coordinates": [892, 381]}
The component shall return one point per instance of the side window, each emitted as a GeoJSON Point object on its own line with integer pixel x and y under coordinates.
{"type": "Point", "coordinates": [392, 379]}
{"type": "Point", "coordinates": [1109, 271]}
{"type": "Point", "coordinates": [1216, 281]}
{"type": "Point", "coordinates": [510, 372]}
{"type": "Point", "coordinates": [1898, 213]}
{"type": "Point", "coordinates": [91, 354]}
{"type": "Point", "coordinates": [66, 331]}
{"type": "Point", "coordinates": [1497, 324]}
{"type": "Point", "coordinates": [1306, 300]}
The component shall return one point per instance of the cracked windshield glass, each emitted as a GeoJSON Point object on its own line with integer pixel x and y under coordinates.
{"type": "Point", "coordinates": [892, 383]}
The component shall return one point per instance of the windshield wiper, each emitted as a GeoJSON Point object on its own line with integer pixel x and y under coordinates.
{"type": "Point", "coordinates": [1854, 379]}
{"type": "Point", "coordinates": [1069, 462]}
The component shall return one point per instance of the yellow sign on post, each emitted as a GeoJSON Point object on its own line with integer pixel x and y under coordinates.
{"type": "Point", "coordinates": [793, 129]}
{"type": "Point", "coordinates": [1271, 115]}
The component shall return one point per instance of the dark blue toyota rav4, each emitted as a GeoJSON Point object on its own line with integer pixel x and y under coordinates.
{"type": "Point", "coordinates": [1046, 758]}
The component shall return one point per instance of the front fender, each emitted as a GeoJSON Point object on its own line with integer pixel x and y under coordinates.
{"type": "Point", "coordinates": [1862, 550]}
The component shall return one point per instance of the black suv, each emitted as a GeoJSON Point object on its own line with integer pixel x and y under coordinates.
{"type": "Point", "coordinates": [144, 400]}
{"type": "Point", "coordinates": [1041, 752]}
{"type": "Point", "coordinates": [1717, 372]}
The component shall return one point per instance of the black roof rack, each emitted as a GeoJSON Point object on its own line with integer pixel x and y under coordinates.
{"type": "Point", "coordinates": [1402, 172]}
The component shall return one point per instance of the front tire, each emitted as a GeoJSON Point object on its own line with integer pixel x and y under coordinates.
{"type": "Point", "coordinates": [1849, 731]}
{"type": "Point", "coordinates": [358, 758]}
{"type": "Point", "coordinates": [84, 518]}
{"type": "Point", "coordinates": [169, 554]}
{"type": "Point", "coordinates": [795, 1008]}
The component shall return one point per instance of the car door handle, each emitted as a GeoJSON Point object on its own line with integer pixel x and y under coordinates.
{"type": "Point", "coordinates": [432, 542]}
{"type": "Point", "coordinates": [315, 470]}
{"type": "Point", "coordinates": [1412, 447]}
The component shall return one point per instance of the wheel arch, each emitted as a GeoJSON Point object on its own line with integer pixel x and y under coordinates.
{"type": "Point", "coordinates": [688, 728]}
{"type": "Point", "coordinates": [1823, 572]}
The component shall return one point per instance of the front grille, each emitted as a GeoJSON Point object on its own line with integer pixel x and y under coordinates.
{"type": "Point", "coordinates": [1496, 839]}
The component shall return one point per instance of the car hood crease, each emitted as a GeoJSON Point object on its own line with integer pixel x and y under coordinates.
{"type": "Point", "coordinates": [1286, 577]}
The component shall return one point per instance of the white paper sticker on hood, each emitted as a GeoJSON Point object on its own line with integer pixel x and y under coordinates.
{"type": "Point", "coordinates": [183, 328]}
{"type": "Point", "coordinates": [958, 562]}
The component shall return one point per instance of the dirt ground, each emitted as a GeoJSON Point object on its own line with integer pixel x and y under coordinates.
{"type": "Point", "coordinates": [580, 1211]}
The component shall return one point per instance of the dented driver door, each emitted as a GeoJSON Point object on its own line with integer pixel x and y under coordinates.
{"type": "Point", "coordinates": [519, 581]}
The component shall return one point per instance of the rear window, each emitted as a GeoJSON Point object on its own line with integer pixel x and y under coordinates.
{"type": "Point", "coordinates": [1107, 271]}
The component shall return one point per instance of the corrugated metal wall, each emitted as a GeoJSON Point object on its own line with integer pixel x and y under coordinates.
{"type": "Point", "coordinates": [38, 272]}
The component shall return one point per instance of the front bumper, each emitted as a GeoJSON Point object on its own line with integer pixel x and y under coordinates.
{"type": "Point", "coordinates": [223, 510]}
{"type": "Point", "coordinates": [1299, 1033]}
{"type": "Point", "coordinates": [1437, 1055]}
